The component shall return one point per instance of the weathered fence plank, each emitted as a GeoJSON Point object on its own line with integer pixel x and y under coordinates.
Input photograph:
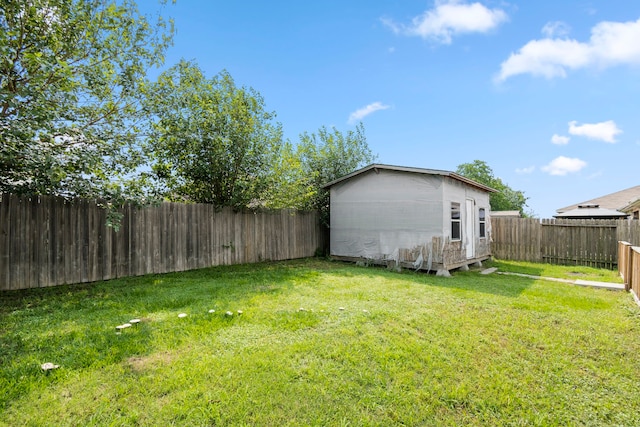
{"type": "Point", "coordinates": [5, 242]}
{"type": "Point", "coordinates": [571, 242]}
{"type": "Point", "coordinates": [624, 262]}
{"type": "Point", "coordinates": [516, 239]}
{"type": "Point", "coordinates": [634, 269]}
{"type": "Point", "coordinates": [47, 241]}
{"type": "Point", "coordinates": [580, 242]}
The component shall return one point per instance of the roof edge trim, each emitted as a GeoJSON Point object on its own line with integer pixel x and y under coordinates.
{"type": "Point", "coordinates": [378, 166]}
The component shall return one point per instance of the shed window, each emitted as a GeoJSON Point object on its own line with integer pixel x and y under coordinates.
{"type": "Point", "coordinates": [455, 221]}
{"type": "Point", "coordinates": [483, 223]}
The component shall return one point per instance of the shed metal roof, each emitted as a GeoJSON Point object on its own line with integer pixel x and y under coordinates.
{"type": "Point", "coordinates": [423, 171]}
{"type": "Point", "coordinates": [506, 214]}
{"type": "Point", "coordinates": [591, 213]}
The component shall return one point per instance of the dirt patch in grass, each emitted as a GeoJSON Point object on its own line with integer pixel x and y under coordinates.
{"type": "Point", "coordinates": [143, 363]}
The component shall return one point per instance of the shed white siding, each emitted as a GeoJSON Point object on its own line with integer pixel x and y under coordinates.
{"type": "Point", "coordinates": [384, 214]}
{"type": "Point", "coordinates": [374, 214]}
{"type": "Point", "coordinates": [459, 192]}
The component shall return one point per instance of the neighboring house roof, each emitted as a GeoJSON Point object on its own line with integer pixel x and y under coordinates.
{"type": "Point", "coordinates": [591, 212]}
{"type": "Point", "coordinates": [631, 207]}
{"type": "Point", "coordinates": [377, 166]}
{"type": "Point", "coordinates": [506, 214]}
{"type": "Point", "coordinates": [616, 201]}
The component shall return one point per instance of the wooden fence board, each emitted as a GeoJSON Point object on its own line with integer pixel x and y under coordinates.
{"type": "Point", "coordinates": [5, 241]}
{"type": "Point", "coordinates": [18, 233]}
{"type": "Point", "coordinates": [104, 255]}
{"type": "Point", "coordinates": [516, 238]}
{"type": "Point", "coordinates": [575, 242]}
{"type": "Point", "coordinates": [68, 245]}
{"type": "Point", "coordinates": [624, 262]}
{"type": "Point", "coordinates": [634, 276]}
{"type": "Point", "coordinates": [47, 241]}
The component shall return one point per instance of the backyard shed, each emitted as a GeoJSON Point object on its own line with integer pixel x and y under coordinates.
{"type": "Point", "coordinates": [409, 217]}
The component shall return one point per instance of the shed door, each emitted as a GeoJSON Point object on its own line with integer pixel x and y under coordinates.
{"type": "Point", "coordinates": [469, 229]}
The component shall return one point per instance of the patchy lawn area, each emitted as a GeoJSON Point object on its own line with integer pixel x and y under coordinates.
{"type": "Point", "coordinates": [320, 343]}
{"type": "Point", "coordinates": [557, 271]}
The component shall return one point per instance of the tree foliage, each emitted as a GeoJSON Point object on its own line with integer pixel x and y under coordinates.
{"type": "Point", "coordinates": [212, 142]}
{"type": "Point", "coordinates": [506, 198]}
{"type": "Point", "coordinates": [79, 118]}
{"type": "Point", "coordinates": [316, 160]}
{"type": "Point", "coordinates": [70, 75]}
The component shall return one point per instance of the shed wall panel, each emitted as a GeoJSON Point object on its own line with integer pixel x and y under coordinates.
{"type": "Point", "coordinates": [394, 215]}
{"type": "Point", "coordinates": [375, 214]}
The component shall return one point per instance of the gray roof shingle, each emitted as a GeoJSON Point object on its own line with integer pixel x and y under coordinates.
{"type": "Point", "coordinates": [615, 201]}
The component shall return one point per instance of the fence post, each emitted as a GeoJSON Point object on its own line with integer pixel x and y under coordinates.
{"type": "Point", "coordinates": [634, 271]}
{"type": "Point", "coordinates": [624, 263]}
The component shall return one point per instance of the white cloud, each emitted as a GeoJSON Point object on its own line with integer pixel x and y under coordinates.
{"type": "Point", "coordinates": [555, 29]}
{"type": "Point", "coordinates": [563, 165]}
{"type": "Point", "coordinates": [449, 18]}
{"type": "Point", "coordinates": [559, 139]}
{"type": "Point", "coordinates": [611, 43]}
{"type": "Point", "coordinates": [547, 58]}
{"type": "Point", "coordinates": [526, 171]}
{"type": "Point", "coordinates": [604, 131]}
{"type": "Point", "coordinates": [365, 111]}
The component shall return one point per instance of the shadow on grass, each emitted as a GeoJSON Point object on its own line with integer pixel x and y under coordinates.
{"type": "Point", "coordinates": [185, 286]}
{"type": "Point", "coordinates": [494, 284]}
{"type": "Point", "coordinates": [471, 281]}
{"type": "Point", "coordinates": [74, 325]}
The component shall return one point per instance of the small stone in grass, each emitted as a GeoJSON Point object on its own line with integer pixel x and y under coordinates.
{"type": "Point", "coordinates": [182, 315]}
{"type": "Point", "coordinates": [48, 366]}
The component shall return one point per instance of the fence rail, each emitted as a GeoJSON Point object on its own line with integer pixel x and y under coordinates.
{"type": "Point", "coordinates": [592, 243]}
{"type": "Point", "coordinates": [47, 241]}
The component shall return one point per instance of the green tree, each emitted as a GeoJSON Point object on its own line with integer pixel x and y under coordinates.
{"type": "Point", "coordinates": [506, 198]}
{"type": "Point", "coordinates": [316, 160]}
{"type": "Point", "coordinates": [212, 142]}
{"type": "Point", "coordinates": [70, 75]}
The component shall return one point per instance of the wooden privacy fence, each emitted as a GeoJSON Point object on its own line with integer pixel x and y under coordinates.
{"type": "Point", "coordinates": [592, 243]}
{"type": "Point", "coordinates": [629, 267]}
{"type": "Point", "coordinates": [47, 241]}
{"type": "Point", "coordinates": [634, 276]}
{"type": "Point", "coordinates": [625, 252]}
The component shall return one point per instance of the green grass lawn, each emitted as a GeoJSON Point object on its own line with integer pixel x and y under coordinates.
{"type": "Point", "coordinates": [557, 271]}
{"type": "Point", "coordinates": [320, 343]}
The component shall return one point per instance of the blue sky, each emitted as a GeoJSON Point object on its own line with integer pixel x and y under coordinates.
{"type": "Point", "coordinates": [546, 92]}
